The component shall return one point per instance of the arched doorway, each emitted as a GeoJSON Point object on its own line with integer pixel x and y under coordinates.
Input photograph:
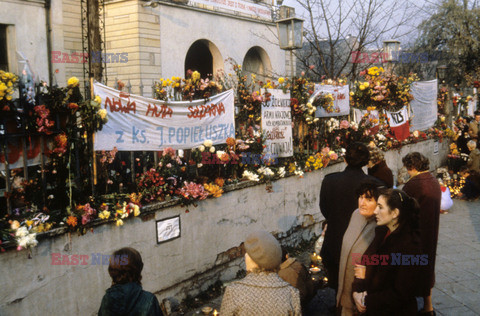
{"type": "Point", "coordinates": [204, 57]}
{"type": "Point", "coordinates": [257, 62]}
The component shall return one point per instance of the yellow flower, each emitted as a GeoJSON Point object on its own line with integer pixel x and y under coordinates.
{"type": "Point", "coordinates": [104, 215]}
{"type": "Point", "coordinates": [98, 99]}
{"type": "Point", "coordinates": [214, 190]}
{"type": "Point", "coordinates": [281, 80]}
{"type": "Point", "coordinates": [136, 210]}
{"type": "Point", "coordinates": [72, 82]}
{"type": "Point", "coordinates": [119, 222]}
{"type": "Point", "coordinates": [362, 87]}
{"type": "Point", "coordinates": [366, 84]}
{"type": "Point", "coordinates": [195, 76]}
{"type": "Point", "coordinates": [102, 113]}
{"type": "Point", "coordinates": [29, 223]}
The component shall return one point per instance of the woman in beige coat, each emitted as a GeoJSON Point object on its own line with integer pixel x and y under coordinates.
{"type": "Point", "coordinates": [357, 238]}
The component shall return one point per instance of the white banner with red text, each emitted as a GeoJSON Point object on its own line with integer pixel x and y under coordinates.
{"type": "Point", "coordinates": [136, 123]}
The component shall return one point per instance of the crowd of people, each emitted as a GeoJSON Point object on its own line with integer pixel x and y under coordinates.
{"type": "Point", "coordinates": [379, 250]}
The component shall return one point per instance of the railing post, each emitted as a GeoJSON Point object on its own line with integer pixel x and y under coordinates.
{"type": "Point", "coordinates": [129, 86]}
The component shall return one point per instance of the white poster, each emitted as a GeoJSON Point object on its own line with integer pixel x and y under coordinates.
{"type": "Point", "coordinates": [397, 118]}
{"type": "Point", "coordinates": [277, 124]}
{"type": "Point", "coordinates": [341, 100]}
{"type": "Point", "coordinates": [423, 105]}
{"type": "Point", "coordinates": [245, 7]}
{"type": "Point", "coordinates": [168, 228]}
{"type": "Point", "coordinates": [136, 123]}
{"type": "Point", "coordinates": [373, 115]}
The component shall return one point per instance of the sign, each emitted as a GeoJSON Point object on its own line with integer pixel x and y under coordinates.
{"type": "Point", "coordinates": [168, 229]}
{"type": "Point", "coordinates": [341, 100]}
{"type": "Point", "coordinates": [398, 122]}
{"type": "Point", "coordinates": [277, 124]}
{"type": "Point", "coordinates": [435, 147]}
{"type": "Point", "coordinates": [15, 152]}
{"type": "Point", "coordinates": [423, 105]}
{"type": "Point", "coordinates": [136, 123]}
{"type": "Point", "coordinates": [244, 7]}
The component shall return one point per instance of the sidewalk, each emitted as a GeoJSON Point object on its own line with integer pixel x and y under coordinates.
{"type": "Point", "coordinates": [457, 288]}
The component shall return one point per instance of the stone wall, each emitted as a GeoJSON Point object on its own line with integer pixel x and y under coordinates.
{"type": "Point", "coordinates": [206, 251]}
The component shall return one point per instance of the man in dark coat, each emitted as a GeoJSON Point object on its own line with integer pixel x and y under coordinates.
{"type": "Point", "coordinates": [337, 203]}
{"type": "Point", "coordinates": [426, 190]}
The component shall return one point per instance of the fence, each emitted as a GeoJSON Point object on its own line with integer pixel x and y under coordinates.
{"type": "Point", "coordinates": [30, 176]}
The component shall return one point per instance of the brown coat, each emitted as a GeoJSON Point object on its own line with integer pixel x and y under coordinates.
{"type": "Point", "coordinates": [295, 273]}
{"type": "Point", "coordinates": [357, 238]}
{"type": "Point", "coordinates": [383, 173]}
{"type": "Point", "coordinates": [473, 162]}
{"type": "Point", "coordinates": [426, 190]}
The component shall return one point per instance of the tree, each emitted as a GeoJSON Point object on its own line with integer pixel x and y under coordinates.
{"type": "Point", "coordinates": [453, 33]}
{"type": "Point", "coordinates": [336, 29]}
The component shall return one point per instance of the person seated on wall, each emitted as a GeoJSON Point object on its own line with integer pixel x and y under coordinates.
{"type": "Point", "coordinates": [377, 167]}
{"type": "Point", "coordinates": [262, 291]}
{"type": "Point", "coordinates": [297, 275]}
{"type": "Point", "coordinates": [473, 162]}
{"type": "Point", "coordinates": [471, 188]}
{"type": "Point", "coordinates": [126, 296]}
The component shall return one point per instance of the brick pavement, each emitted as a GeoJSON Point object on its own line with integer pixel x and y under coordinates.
{"type": "Point", "coordinates": [457, 288]}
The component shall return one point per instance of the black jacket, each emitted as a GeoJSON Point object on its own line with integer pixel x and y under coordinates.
{"type": "Point", "coordinates": [391, 287]}
{"type": "Point", "coordinates": [337, 203]}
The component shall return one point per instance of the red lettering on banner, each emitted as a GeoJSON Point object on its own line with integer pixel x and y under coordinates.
{"type": "Point", "coordinates": [340, 96]}
{"type": "Point", "coordinates": [117, 106]}
{"type": "Point", "coordinates": [163, 111]}
{"type": "Point", "coordinates": [202, 110]}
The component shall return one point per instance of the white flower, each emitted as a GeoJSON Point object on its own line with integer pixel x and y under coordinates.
{"type": "Point", "coordinates": [299, 172]}
{"type": "Point", "coordinates": [199, 165]}
{"type": "Point", "coordinates": [208, 143]}
{"type": "Point", "coordinates": [180, 153]}
{"type": "Point", "coordinates": [265, 171]}
{"type": "Point", "coordinates": [281, 172]}
{"type": "Point", "coordinates": [212, 149]}
{"type": "Point", "coordinates": [21, 232]}
{"type": "Point", "coordinates": [219, 154]}
{"type": "Point", "coordinates": [250, 176]}
{"type": "Point", "coordinates": [201, 148]}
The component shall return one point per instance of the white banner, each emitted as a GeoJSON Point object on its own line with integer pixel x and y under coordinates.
{"type": "Point", "coordinates": [397, 118]}
{"type": "Point", "coordinates": [373, 115]}
{"type": "Point", "coordinates": [341, 101]}
{"type": "Point", "coordinates": [240, 6]}
{"type": "Point", "coordinates": [277, 124]}
{"type": "Point", "coordinates": [136, 123]}
{"type": "Point", "coordinates": [423, 105]}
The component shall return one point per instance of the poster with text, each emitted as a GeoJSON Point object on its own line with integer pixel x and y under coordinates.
{"type": "Point", "coordinates": [277, 124]}
{"type": "Point", "coordinates": [136, 123]}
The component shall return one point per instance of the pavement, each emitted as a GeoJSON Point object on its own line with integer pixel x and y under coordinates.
{"type": "Point", "coordinates": [457, 287]}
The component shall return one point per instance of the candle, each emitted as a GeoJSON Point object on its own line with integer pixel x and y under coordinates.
{"type": "Point", "coordinates": [215, 313]}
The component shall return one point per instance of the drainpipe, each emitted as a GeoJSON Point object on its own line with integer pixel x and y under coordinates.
{"type": "Point", "coordinates": [48, 23]}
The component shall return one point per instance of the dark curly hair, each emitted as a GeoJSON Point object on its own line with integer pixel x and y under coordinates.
{"type": "Point", "coordinates": [357, 155]}
{"type": "Point", "coordinates": [416, 161]}
{"type": "Point", "coordinates": [368, 187]}
{"type": "Point", "coordinates": [408, 207]}
{"type": "Point", "coordinates": [126, 266]}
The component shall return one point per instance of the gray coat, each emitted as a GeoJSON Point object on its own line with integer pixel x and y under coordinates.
{"type": "Point", "coordinates": [263, 294]}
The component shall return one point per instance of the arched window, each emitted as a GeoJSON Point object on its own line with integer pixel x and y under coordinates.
{"type": "Point", "coordinates": [204, 57]}
{"type": "Point", "coordinates": [257, 62]}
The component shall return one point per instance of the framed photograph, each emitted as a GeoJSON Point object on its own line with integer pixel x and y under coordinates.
{"type": "Point", "coordinates": [168, 229]}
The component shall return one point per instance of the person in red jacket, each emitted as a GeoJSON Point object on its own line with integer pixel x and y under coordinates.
{"type": "Point", "coordinates": [423, 186]}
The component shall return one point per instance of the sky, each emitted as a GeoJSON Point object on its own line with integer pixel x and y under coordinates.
{"type": "Point", "coordinates": [414, 11]}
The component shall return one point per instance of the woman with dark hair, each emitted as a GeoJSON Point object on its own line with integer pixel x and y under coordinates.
{"type": "Point", "coordinates": [357, 238]}
{"type": "Point", "coordinates": [423, 186]}
{"type": "Point", "coordinates": [385, 284]}
{"type": "Point", "coordinates": [126, 296]}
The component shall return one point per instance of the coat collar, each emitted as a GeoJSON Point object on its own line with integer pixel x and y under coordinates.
{"type": "Point", "coordinates": [263, 279]}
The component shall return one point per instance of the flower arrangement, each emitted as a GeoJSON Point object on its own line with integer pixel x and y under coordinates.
{"type": "Point", "coordinates": [8, 81]}
{"type": "Point", "coordinates": [383, 90]}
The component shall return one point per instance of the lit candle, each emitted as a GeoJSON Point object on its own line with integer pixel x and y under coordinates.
{"type": "Point", "coordinates": [215, 313]}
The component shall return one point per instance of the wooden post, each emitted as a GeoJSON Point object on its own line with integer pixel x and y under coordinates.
{"type": "Point", "coordinates": [94, 158]}
{"type": "Point", "coordinates": [7, 175]}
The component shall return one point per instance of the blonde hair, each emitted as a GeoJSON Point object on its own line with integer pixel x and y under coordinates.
{"type": "Point", "coordinates": [472, 144]}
